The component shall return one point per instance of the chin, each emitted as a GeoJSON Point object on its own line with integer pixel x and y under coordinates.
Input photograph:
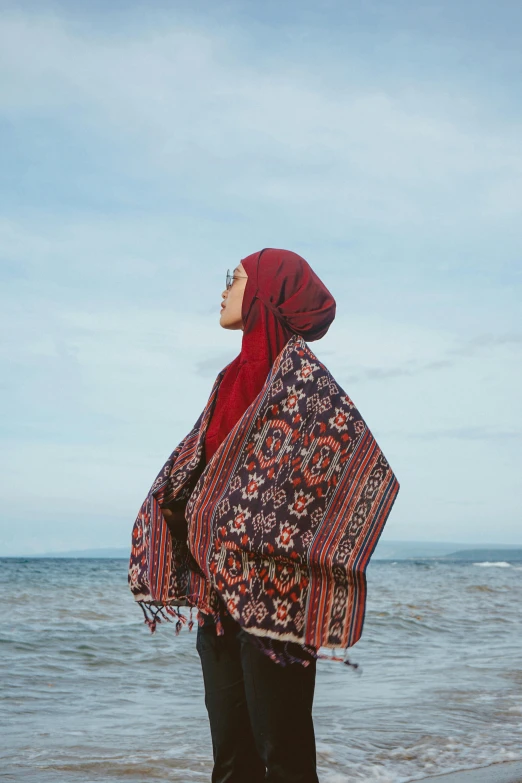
{"type": "Point", "coordinates": [229, 324]}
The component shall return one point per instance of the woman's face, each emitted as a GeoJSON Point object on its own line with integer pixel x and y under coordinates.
{"type": "Point", "coordinates": [233, 299]}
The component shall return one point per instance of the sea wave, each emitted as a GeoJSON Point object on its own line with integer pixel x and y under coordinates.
{"type": "Point", "coordinates": [439, 691]}
{"type": "Point", "coordinates": [500, 564]}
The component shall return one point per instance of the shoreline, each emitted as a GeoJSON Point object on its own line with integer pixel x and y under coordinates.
{"type": "Point", "coordinates": [502, 772]}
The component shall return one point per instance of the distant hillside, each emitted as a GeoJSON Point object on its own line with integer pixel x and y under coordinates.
{"type": "Point", "coordinates": [385, 550]}
{"type": "Point", "coordinates": [115, 552]}
{"type": "Point", "coordinates": [486, 555]}
{"type": "Point", "coordinates": [413, 550]}
{"type": "Point", "coordinates": [406, 550]}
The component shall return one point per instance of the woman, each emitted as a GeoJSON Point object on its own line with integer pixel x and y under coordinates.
{"type": "Point", "coordinates": [265, 517]}
{"type": "Point", "coordinates": [260, 712]}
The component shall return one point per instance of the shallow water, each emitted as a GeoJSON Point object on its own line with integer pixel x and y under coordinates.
{"type": "Point", "coordinates": [88, 694]}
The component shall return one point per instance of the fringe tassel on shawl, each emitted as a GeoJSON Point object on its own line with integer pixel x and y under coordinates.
{"type": "Point", "coordinates": [294, 653]}
{"type": "Point", "coordinates": [156, 616]}
{"type": "Point", "coordinates": [344, 660]}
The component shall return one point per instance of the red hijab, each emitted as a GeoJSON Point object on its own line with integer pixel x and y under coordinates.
{"type": "Point", "coordinates": [283, 296]}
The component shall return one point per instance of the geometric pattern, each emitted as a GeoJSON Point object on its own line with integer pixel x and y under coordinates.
{"type": "Point", "coordinates": [283, 520]}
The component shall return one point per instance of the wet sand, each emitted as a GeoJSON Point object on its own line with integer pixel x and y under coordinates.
{"type": "Point", "coordinates": [507, 772]}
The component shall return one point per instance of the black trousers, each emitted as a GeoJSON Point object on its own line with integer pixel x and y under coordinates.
{"type": "Point", "coordinates": [260, 712]}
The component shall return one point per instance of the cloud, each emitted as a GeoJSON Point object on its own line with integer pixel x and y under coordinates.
{"type": "Point", "coordinates": [485, 341]}
{"type": "Point", "coordinates": [412, 367]}
{"type": "Point", "coordinates": [144, 159]}
{"type": "Point", "coordinates": [405, 371]}
{"type": "Point", "coordinates": [211, 366]}
{"type": "Point", "coordinates": [255, 133]}
{"type": "Point", "coordinates": [467, 433]}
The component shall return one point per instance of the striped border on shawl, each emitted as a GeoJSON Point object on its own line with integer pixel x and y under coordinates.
{"type": "Point", "coordinates": [389, 493]}
{"type": "Point", "coordinates": [365, 457]}
{"type": "Point", "coordinates": [160, 553]}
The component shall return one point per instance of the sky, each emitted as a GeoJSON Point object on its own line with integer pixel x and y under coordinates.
{"type": "Point", "coordinates": [147, 147]}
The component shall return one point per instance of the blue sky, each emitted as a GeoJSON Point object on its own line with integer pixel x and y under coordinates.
{"type": "Point", "coordinates": [146, 148]}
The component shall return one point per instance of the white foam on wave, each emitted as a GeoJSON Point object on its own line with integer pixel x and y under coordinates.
{"type": "Point", "coordinates": [374, 774]}
{"type": "Point", "coordinates": [429, 755]}
{"type": "Point", "coordinates": [500, 564]}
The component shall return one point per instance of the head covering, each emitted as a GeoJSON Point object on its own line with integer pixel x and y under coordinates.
{"type": "Point", "coordinates": [283, 296]}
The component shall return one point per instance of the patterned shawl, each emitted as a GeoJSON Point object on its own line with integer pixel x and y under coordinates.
{"type": "Point", "coordinates": [280, 524]}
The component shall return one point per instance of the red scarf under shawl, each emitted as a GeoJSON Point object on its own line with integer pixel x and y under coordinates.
{"type": "Point", "coordinates": [283, 296]}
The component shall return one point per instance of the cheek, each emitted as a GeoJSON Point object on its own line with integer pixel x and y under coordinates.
{"type": "Point", "coordinates": [234, 305]}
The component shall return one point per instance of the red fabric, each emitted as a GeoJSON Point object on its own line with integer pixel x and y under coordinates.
{"type": "Point", "coordinates": [283, 296]}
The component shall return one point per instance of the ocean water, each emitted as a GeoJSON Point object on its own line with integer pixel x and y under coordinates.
{"type": "Point", "coordinates": [88, 694]}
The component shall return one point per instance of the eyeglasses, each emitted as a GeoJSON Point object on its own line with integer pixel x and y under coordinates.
{"type": "Point", "coordinates": [230, 279]}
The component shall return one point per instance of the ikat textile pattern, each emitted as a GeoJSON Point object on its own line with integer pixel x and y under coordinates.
{"type": "Point", "coordinates": [282, 521]}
